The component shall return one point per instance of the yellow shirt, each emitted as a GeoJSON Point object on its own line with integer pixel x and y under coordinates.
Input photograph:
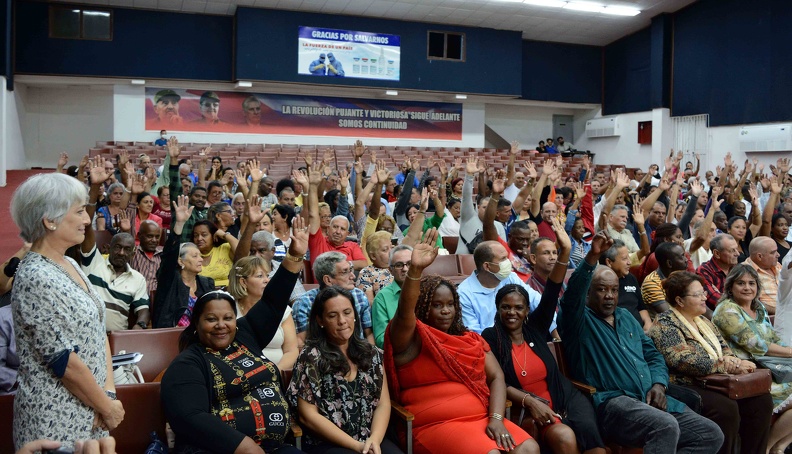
{"type": "Point", "coordinates": [219, 265]}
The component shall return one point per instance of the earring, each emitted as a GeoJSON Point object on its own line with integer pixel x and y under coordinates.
{"type": "Point", "coordinates": [321, 326]}
{"type": "Point", "coordinates": [52, 227]}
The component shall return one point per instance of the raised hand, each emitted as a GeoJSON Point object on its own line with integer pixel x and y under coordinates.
{"type": "Point", "coordinates": [343, 176]}
{"type": "Point", "coordinates": [299, 237]}
{"type": "Point", "coordinates": [358, 149]}
{"type": "Point", "coordinates": [679, 157]}
{"type": "Point", "coordinates": [601, 243]}
{"type": "Point", "coordinates": [481, 165]}
{"type": "Point", "coordinates": [622, 180]}
{"type": "Point", "coordinates": [638, 216]}
{"type": "Point", "coordinates": [442, 167]}
{"type": "Point", "coordinates": [123, 221]}
{"type": "Point", "coordinates": [458, 163]}
{"type": "Point", "coordinates": [580, 189]}
{"type": "Point", "coordinates": [98, 172]}
{"type": "Point", "coordinates": [308, 160]}
{"type": "Point", "coordinates": [515, 147]}
{"type": "Point", "coordinates": [240, 178]}
{"type": "Point", "coordinates": [173, 148]}
{"type": "Point", "coordinates": [63, 160]}
{"type": "Point", "coordinates": [137, 184]}
{"type": "Point", "coordinates": [665, 184]}
{"type": "Point", "coordinates": [783, 165]}
{"type": "Point", "coordinates": [471, 167]}
{"type": "Point", "coordinates": [564, 243]}
{"type": "Point", "coordinates": [123, 158]}
{"type": "Point", "coordinates": [586, 162]}
{"type": "Point", "coordinates": [424, 199]}
{"type": "Point", "coordinates": [382, 172]}
{"type": "Point", "coordinates": [530, 170]}
{"type": "Point", "coordinates": [754, 195]}
{"type": "Point", "coordinates": [328, 156]}
{"type": "Point", "coordinates": [255, 170]}
{"type": "Point", "coordinates": [315, 173]}
{"type": "Point", "coordinates": [358, 166]}
{"type": "Point", "coordinates": [425, 252]}
{"type": "Point", "coordinates": [714, 197]}
{"type": "Point", "coordinates": [776, 185]}
{"type": "Point", "coordinates": [696, 187]}
{"type": "Point", "coordinates": [549, 167]}
{"type": "Point", "coordinates": [182, 209]}
{"type": "Point", "coordinates": [430, 163]}
{"type": "Point", "coordinates": [301, 178]}
{"type": "Point", "coordinates": [748, 167]}
{"type": "Point", "coordinates": [727, 161]}
{"type": "Point", "coordinates": [499, 183]}
{"type": "Point", "coordinates": [372, 156]}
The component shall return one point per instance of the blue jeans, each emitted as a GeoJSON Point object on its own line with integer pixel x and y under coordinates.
{"type": "Point", "coordinates": [630, 422]}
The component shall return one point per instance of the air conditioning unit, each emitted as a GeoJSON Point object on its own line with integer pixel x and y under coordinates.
{"type": "Point", "coordinates": [766, 138]}
{"type": "Point", "coordinates": [603, 127]}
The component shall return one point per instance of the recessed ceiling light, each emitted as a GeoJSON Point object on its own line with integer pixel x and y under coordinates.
{"type": "Point", "coordinates": [391, 92]}
{"type": "Point", "coordinates": [621, 11]}
{"type": "Point", "coordinates": [461, 96]}
{"type": "Point", "coordinates": [550, 3]}
{"type": "Point", "coordinates": [243, 84]}
{"type": "Point", "coordinates": [137, 82]}
{"type": "Point", "coordinates": [585, 6]}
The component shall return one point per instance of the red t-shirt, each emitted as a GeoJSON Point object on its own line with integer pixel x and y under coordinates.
{"type": "Point", "coordinates": [318, 244]}
{"type": "Point", "coordinates": [546, 230]}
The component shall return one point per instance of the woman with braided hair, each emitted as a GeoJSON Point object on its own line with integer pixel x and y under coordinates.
{"type": "Point", "coordinates": [444, 374]}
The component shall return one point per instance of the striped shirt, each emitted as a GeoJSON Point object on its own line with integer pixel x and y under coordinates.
{"type": "Point", "coordinates": [147, 266]}
{"type": "Point", "coordinates": [120, 293]}
{"type": "Point", "coordinates": [652, 291]}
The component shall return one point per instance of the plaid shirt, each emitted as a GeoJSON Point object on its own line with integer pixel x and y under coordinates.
{"type": "Point", "coordinates": [198, 214]}
{"type": "Point", "coordinates": [768, 280]}
{"type": "Point", "coordinates": [714, 277]}
{"type": "Point", "coordinates": [147, 267]}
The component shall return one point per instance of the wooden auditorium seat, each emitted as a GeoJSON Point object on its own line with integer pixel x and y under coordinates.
{"type": "Point", "coordinates": [444, 265]}
{"type": "Point", "coordinates": [158, 346]}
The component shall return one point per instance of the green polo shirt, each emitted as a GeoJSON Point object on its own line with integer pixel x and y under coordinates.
{"type": "Point", "coordinates": [618, 360]}
{"type": "Point", "coordinates": [383, 310]}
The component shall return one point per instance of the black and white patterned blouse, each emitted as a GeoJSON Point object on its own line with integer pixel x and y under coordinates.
{"type": "Point", "coordinates": [54, 315]}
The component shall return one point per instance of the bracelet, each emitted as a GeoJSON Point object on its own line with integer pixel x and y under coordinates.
{"type": "Point", "coordinates": [497, 416]}
{"type": "Point", "coordinates": [293, 258]}
{"type": "Point", "coordinates": [523, 399]}
{"type": "Point", "coordinates": [566, 264]}
{"type": "Point", "coordinates": [413, 278]}
{"type": "Point", "coordinates": [642, 233]}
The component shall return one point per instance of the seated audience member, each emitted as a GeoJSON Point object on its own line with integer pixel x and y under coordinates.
{"type": "Point", "coordinates": [549, 147]}
{"type": "Point", "coordinates": [198, 194]}
{"type": "Point", "coordinates": [217, 251]}
{"type": "Point", "coordinates": [518, 341]}
{"type": "Point", "coordinates": [162, 206]}
{"type": "Point", "coordinates": [107, 215]}
{"type": "Point", "coordinates": [337, 230]}
{"type": "Point", "coordinates": [629, 373]}
{"type": "Point", "coordinates": [544, 256]}
{"type": "Point", "coordinates": [377, 275]}
{"type": "Point", "coordinates": [450, 225]}
{"type": "Point", "coordinates": [617, 258]}
{"type": "Point", "coordinates": [220, 394]}
{"type": "Point", "coordinates": [122, 289]}
{"type": "Point", "coordinates": [742, 320]}
{"type": "Point", "coordinates": [738, 229]}
{"type": "Point", "coordinates": [179, 284]}
{"type": "Point", "coordinates": [387, 300]}
{"type": "Point", "coordinates": [779, 233]}
{"type": "Point", "coordinates": [563, 146]}
{"type": "Point", "coordinates": [282, 217]}
{"type": "Point", "coordinates": [477, 291]}
{"type": "Point", "coordinates": [470, 219]}
{"type": "Point", "coordinates": [671, 257]}
{"type": "Point", "coordinates": [617, 227]}
{"type": "Point", "coordinates": [427, 195]}
{"type": "Point", "coordinates": [693, 347]}
{"type": "Point", "coordinates": [141, 211]}
{"type": "Point", "coordinates": [580, 246]}
{"type": "Point", "coordinates": [665, 233]}
{"type": "Point", "coordinates": [246, 284]}
{"type": "Point", "coordinates": [724, 258]}
{"type": "Point", "coordinates": [339, 387]}
{"type": "Point", "coordinates": [764, 259]}
{"type": "Point", "coordinates": [698, 246]}
{"type": "Point", "coordinates": [9, 361]}
{"type": "Point", "coordinates": [548, 213]}
{"type": "Point", "coordinates": [148, 256]}
{"type": "Point", "coordinates": [332, 268]}
{"type": "Point", "coordinates": [433, 362]}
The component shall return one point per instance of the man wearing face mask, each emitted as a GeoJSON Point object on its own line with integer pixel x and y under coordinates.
{"type": "Point", "coordinates": [163, 139]}
{"type": "Point", "coordinates": [477, 292]}
{"type": "Point", "coordinates": [334, 67]}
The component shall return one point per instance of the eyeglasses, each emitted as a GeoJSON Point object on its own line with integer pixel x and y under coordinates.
{"type": "Point", "coordinates": [702, 294]}
{"type": "Point", "coordinates": [399, 265]}
{"type": "Point", "coordinates": [347, 271]}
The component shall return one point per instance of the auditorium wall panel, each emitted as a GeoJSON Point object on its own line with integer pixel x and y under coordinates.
{"type": "Point", "coordinates": [525, 124]}
{"type": "Point", "coordinates": [732, 59]}
{"type": "Point", "coordinates": [146, 44]}
{"type": "Point", "coordinates": [627, 79]}
{"type": "Point", "coordinates": [11, 140]}
{"type": "Point", "coordinates": [69, 119]}
{"type": "Point", "coordinates": [266, 49]}
{"type": "Point", "coordinates": [561, 72]}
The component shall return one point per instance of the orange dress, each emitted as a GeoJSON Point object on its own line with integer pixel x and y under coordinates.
{"type": "Point", "coordinates": [449, 415]}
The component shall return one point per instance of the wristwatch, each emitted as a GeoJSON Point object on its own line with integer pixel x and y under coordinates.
{"type": "Point", "coordinates": [293, 258]}
{"type": "Point", "coordinates": [111, 395]}
{"type": "Point", "coordinates": [142, 324]}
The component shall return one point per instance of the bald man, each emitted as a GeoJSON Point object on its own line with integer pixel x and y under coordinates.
{"type": "Point", "coordinates": [607, 348]}
{"type": "Point", "coordinates": [764, 259]}
{"type": "Point", "coordinates": [545, 226]}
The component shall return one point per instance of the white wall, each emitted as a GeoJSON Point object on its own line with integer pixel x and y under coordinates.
{"type": "Point", "coordinates": [129, 113]}
{"type": "Point", "coordinates": [59, 119]}
{"type": "Point", "coordinates": [12, 152]}
{"type": "Point", "coordinates": [624, 149]}
{"type": "Point", "coordinates": [525, 124]}
{"type": "Point", "coordinates": [723, 139]}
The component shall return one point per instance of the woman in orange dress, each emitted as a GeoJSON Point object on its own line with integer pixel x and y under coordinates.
{"type": "Point", "coordinates": [444, 374]}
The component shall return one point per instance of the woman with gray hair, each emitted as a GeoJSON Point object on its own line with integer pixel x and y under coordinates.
{"type": "Point", "coordinates": [178, 284]}
{"type": "Point", "coordinates": [116, 202]}
{"type": "Point", "coordinates": [66, 392]}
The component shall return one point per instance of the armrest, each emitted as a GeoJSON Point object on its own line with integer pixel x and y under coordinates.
{"type": "Point", "coordinates": [401, 412]}
{"type": "Point", "coordinates": [296, 430]}
{"type": "Point", "coordinates": [584, 388]}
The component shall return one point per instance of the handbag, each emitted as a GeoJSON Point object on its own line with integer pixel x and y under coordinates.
{"type": "Point", "coordinates": [781, 368]}
{"type": "Point", "coordinates": [125, 369]}
{"type": "Point", "coordinates": [739, 386]}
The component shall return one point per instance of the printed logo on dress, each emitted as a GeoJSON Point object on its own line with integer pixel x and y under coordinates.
{"type": "Point", "coordinates": [630, 288]}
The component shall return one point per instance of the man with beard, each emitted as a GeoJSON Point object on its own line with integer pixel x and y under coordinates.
{"type": "Point", "coordinates": [148, 256]}
{"type": "Point", "coordinates": [166, 106]}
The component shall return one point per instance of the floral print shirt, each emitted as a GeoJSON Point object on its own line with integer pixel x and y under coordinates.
{"type": "Point", "coordinates": [348, 405]}
{"type": "Point", "coordinates": [748, 337]}
{"type": "Point", "coordinates": [374, 278]}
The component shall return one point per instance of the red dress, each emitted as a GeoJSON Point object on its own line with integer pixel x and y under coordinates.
{"type": "Point", "coordinates": [535, 379]}
{"type": "Point", "coordinates": [445, 388]}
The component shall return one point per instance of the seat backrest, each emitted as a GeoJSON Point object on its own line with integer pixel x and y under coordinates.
{"type": "Point", "coordinates": [450, 243]}
{"type": "Point", "coordinates": [466, 264]}
{"type": "Point", "coordinates": [159, 347]}
{"type": "Point", "coordinates": [143, 414]}
{"type": "Point", "coordinates": [444, 265]}
{"type": "Point", "coordinates": [7, 423]}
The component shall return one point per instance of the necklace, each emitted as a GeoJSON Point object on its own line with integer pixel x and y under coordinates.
{"type": "Point", "coordinates": [525, 359]}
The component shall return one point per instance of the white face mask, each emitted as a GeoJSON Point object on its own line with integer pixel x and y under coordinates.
{"type": "Point", "coordinates": [163, 135]}
{"type": "Point", "coordinates": [505, 269]}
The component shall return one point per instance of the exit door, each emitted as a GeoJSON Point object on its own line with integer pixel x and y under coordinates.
{"type": "Point", "coordinates": [563, 127]}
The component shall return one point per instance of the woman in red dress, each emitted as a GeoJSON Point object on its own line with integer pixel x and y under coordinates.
{"type": "Point", "coordinates": [444, 374]}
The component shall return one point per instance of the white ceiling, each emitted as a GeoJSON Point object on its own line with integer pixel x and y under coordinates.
{"type": "Point", "coordinates": [535, 22]}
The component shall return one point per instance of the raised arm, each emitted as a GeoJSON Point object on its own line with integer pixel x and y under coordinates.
{"type": "Point", "coordinates": [528, 187]}
{"type": "Point", "coordinates": [415, 231]}
{"type": "Point", "coordinates": [498, 186]}
{"type": "Point", "coordinates": [695, 191]}
{"type": "Point", "coordinates": [648, 203]}
{"type": "Point", "coordinates": [547, 169]}
{"type": "Point", "coordinates": [542, 316]}
{"type": "Point", "coordinates": [468, 209]}
{"type": "Point", "coordinates": [513, 151]}
{"type": "Point", "coordinates": [767, 214]}
{"type": "Point", "coordinates": [756, 215]}
{"type": "Point", "coordinates": [638, 221]}
{"type": "Point", "coordinates": [402, 328]}
{"type": "Point", "coordinates": [204, 154]}
{"type": "Point", "coordinates": [98, 176]}
{"type": "Point", "coordinates": [314, 179]}
{"type": "Point", "coordinates": [621, 181]}
{"type": "Point", "coordinates": [702, 234]}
